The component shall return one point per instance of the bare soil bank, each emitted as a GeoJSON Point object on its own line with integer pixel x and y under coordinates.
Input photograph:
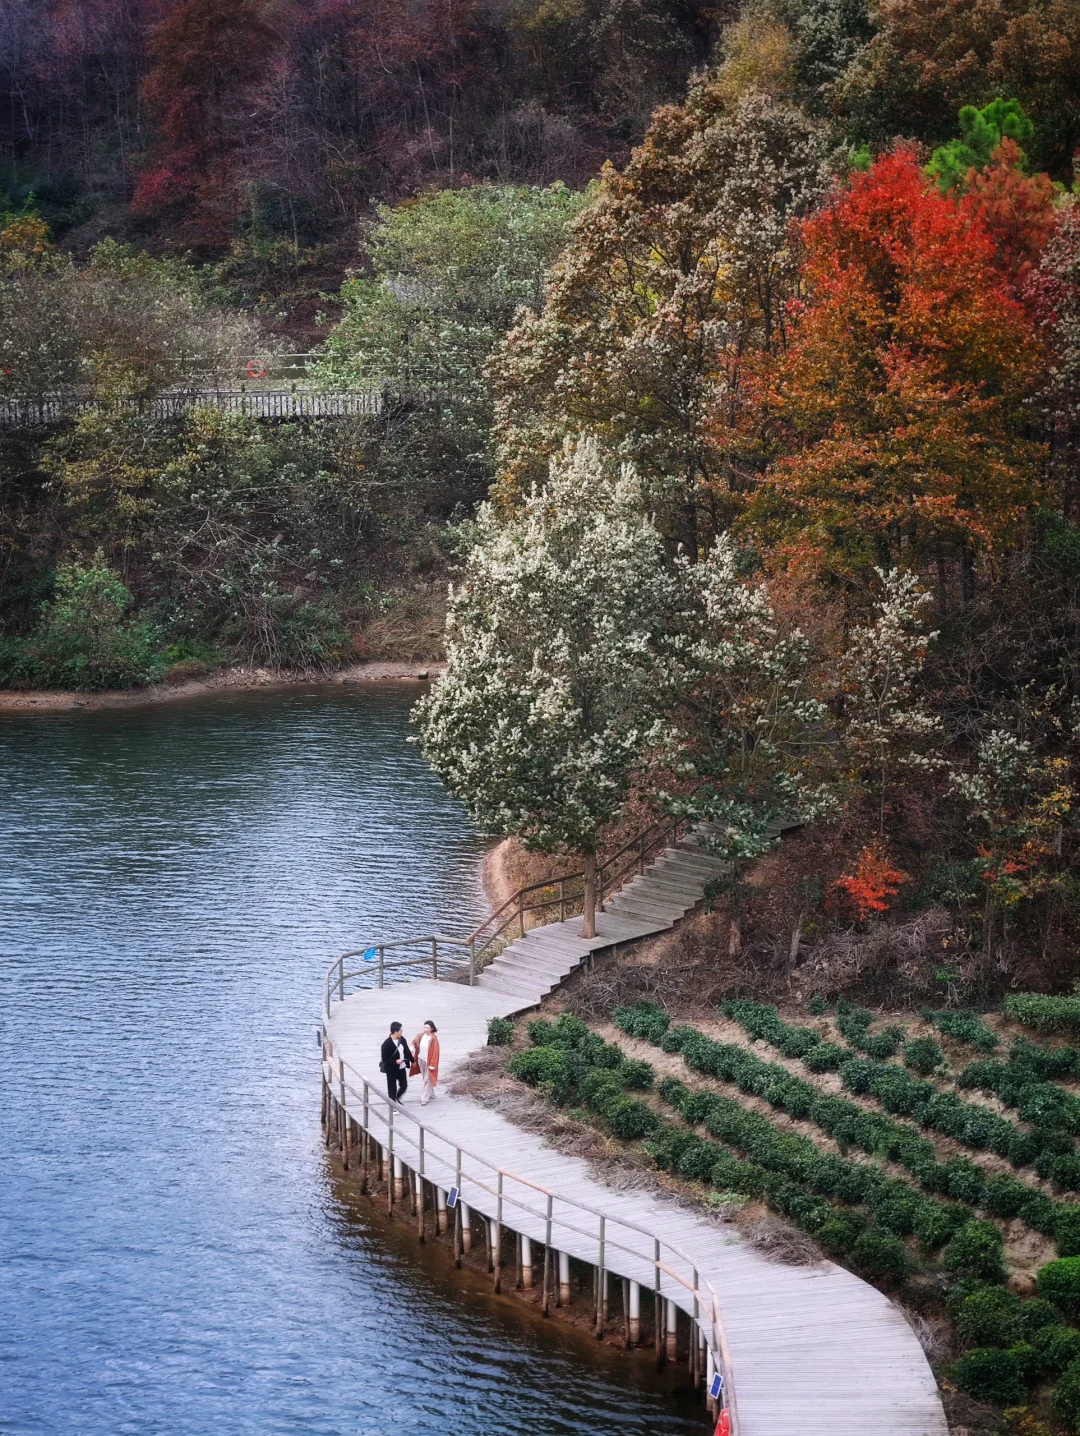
{"type": "Point", "coordinates": [236, 679]}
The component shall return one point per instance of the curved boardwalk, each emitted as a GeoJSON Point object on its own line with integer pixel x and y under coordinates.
{"type": "Point", "coordinates": [806, 1347]}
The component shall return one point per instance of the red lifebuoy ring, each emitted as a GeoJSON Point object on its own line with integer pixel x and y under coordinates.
{"type": "Point", "coordinates": [256, 369]}
{"type": "Point", "coordinates": [723, 1426]}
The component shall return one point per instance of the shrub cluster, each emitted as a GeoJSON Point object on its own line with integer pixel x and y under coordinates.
{"type": "Point", "coordinates": [791, 1171]}
{"type": "Point", "coordinates": [500, 1031]}
{"type": "Point", "coordinates": [1045, 1014]}
{"type": "Point", "coordinates": [1022, 1084]}
{"type": "Point", "coordinates": [961, 1027]}
{"type": "Point", "coordinates": [568, 1063]}
{"type": "Point", "coordinates": [898, 1091]}
{"type": "Point", "coordinates": [854, 1022]}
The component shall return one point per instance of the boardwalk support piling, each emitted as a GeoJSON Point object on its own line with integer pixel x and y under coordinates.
{"type": "Point", "coordinates": [564, 1279]}
{"type": "Point", "coordinates": [635, 1313]}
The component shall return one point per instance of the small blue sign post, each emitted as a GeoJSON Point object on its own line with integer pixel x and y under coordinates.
{"type": "Point", "coordinates": [716, 1387]}
{"type": "Point", "coordinates": [452, 1197]}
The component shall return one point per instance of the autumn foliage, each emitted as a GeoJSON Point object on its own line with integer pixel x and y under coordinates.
{"type": "Point", "coordinates": [871, 887]}
{"type": "Point", "coordinates": [900, 403]}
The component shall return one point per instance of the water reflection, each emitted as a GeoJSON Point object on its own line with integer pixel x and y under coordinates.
{"type": "Point", "coordinates": [174, 1255]}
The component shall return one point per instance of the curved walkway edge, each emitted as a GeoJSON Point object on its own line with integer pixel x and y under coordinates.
{"type": "Point", "coordinates": [806, 1346]}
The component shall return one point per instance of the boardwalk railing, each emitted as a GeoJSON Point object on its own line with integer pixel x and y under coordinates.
{"type": "Point", "coordinates": [458, 958]}
{"type": "Point", "coordinates": [504, 1198]}
{"type": "Point", "coordinates": [257, 403]}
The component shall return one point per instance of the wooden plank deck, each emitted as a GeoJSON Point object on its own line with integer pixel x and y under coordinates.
{"type": "Point", "coordinates": [808, 1345]}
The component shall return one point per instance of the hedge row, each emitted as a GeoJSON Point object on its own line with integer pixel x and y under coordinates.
{"type": "Point", "coordinates": [961, 1027]}
{"type": "Point", "coordinates": [904, 1095]}
{"type": "Point", "coordinates": [1021, 1083]}
{"type": "Point", "coordinates": [1046, 1014]}
{"type": "Point", "coordinates": [1003, 1196]}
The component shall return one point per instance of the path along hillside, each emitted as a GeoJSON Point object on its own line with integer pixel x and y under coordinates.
{"type": "Point", "coordinates": [798, 1345]}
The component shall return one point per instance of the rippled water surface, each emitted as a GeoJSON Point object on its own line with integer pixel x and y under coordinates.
{"type": "Point", "coordinates": [176, 1258]}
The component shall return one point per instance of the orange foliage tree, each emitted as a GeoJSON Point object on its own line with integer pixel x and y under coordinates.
{"type": "Point", "coordinates": [900, 402]}
{"type": "Point", "coordinates": [871, 887]}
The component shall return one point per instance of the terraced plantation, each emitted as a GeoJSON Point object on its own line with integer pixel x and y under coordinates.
{"type": "Point", "coordinates": [952, 1186]}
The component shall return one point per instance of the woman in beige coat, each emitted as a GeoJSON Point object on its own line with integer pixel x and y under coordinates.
{"type": "Point", "coordinates": [426, 1060]}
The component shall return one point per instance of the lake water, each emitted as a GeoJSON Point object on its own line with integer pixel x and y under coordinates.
{"type": "Point", "coordinates": [176, 1255]}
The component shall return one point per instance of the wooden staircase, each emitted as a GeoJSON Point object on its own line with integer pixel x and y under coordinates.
{"type": "Point", "coordinates": [674, 882]}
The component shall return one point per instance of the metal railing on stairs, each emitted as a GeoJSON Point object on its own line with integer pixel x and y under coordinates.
{"type": "Point", "coordinates": [462, 958]}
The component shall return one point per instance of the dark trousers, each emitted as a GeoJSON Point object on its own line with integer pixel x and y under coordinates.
{"type": "Point", "coordinates": [397, 1079]}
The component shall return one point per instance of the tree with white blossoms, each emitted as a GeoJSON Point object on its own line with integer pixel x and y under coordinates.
{"type": "Point", "coordinates": [751, 728]}
{"type": "Point", "coordinates": [551, 699]}
{"type": "Point", "coordinates": [889, 728]}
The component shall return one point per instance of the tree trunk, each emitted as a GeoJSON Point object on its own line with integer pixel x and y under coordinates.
{"type": "Point", "coordinates": [588, 915]}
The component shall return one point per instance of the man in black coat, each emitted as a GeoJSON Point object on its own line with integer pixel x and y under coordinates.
{"type": "Point", "coordinates": [396, 1059]}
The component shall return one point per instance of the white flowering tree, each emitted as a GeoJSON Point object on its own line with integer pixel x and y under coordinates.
{"type": "Point", "coordinates": [890, 730]}
{"type": "Point", "coordinates": [751, 726]}
{"type": "Point", "coordinates": [552, 698]}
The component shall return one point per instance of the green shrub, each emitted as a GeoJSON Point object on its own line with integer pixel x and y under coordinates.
{"type": "Point", "coordinates": [976, 1252]}
{"type": "Point", "coordinates": [880, 1257]}
{"type": "Point", "coordinates": [990, 1316]}
{"type": "Point", "coordinates": [990, 1375]}
{"type": "Point", "coordinates": [698, 1161]}
{"type": "Point", "coordinates": [632, 1120]}
{"type": "Point", "coordinates": [673, 1091]}
{"type": "Point", "coordinates": [1035, 1315]}
{"type": "Point", "coordinates": [1066, 1399]}
{"type": "Point", "coordinates": [500, 1031]}
{"type": "Point", "coordinates": [536, 1065]}
{"type": "Point", "coordinates": [839, 1234]}
{"type": "Point", "coordinates": [826, 1056]}
{"type": "Point", "coordinates": [600, 1090]}
{"type": "Point", "coordinates": [962, 1027]}
{"type": "Point", "coordinates": [817, 1006]}
{"type": "Point", "coordinates": [1059, 1282]}
{"type": "Point", "coordinates": [1058, 1347]}
{"type": "Point", "coordinates": [637, 1075]}
{"type": "Point", "coordinates": [1046, 1014]}
{"type": "Point", "coordinates": [674, 1039]}
{"type": "Point", "coordinates": [644, 1020]}
{"type": "Point", "coordinates": [83, 639]}
{"type": "Point", "coordinates": [936, 1223]}
{"type": "Point", "coordinates": [1067, 1229]}
{"type": "Point", "coordinates": [923, 1055]}
{"type": "Point", "coordinates": [1004, 1196]}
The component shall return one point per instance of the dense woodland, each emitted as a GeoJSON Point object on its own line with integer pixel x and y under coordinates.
{"type": "Point", "coordinates": [729, 363]}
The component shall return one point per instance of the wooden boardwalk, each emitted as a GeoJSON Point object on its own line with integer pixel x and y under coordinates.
{"type": "Point", "coordinates": [806, 1347]}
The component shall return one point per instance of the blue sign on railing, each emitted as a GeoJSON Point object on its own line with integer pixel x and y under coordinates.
{"type": "Point", "coordinates": [716, 1387]}
{"type": "Point", "coordinates": [452, 1197]}
{"type": "Point", "coordinates": [370, 954]}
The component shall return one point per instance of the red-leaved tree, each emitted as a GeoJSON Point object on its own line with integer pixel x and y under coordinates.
{"type": "Point", "coordinates": [901, 400]}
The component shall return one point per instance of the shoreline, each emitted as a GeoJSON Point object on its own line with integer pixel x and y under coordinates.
{"type": "Point", "coordinates": [239, 680]}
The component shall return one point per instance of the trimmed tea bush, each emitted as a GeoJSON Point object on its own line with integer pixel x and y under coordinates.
{"type": "Point", "coordinates": [880, 1257]}
{"type": "Point", "coordinates": [1045, 1014]}
{"type": "Point", "coordinates": [645, 1020]}
{"type": "Point", "coordinates": [500, 1031]}
{"type": "Point", "coordinates": [1066, 1399]}
{"type": "Point", "coordinates": [990, 1375]}
{"type": "Point", "coordinates": [1059, 1282]}
{"type": "Point", "coordinates": [636, 1075]}
{"type": "Point", "coordinates": [962, 1027]}
{"type": "Point", "coordinates": [923, 1055]}
{"type": "Point", "coordinates": [976, 1252]}
{"type": "Point", "coordinates": [990, 1316]}
{"type": "Point", "coordinates": [1058, 1347]}
{"type": "Point", "coordinates": [632, 1120]}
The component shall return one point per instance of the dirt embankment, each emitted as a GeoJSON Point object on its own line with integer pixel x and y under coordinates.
{"type": "Point", "coordinates": [229, 679]}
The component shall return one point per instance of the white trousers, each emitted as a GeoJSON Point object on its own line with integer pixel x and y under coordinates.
{"type": "Point", "coordinates": [429, 1086]}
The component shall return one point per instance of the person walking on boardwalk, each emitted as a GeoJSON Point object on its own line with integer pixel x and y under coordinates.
{"type": "Point", "coordinates": [426, 1060]}
{"type": "Point", "coordinates": [395, 1061]}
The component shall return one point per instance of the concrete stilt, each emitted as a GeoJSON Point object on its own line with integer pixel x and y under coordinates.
{"type": "Point", "coordinates": [564, 1279]}
{"type": "Point", "coordinates": [526, 1263]}
{"type": "Point", "coordinates": [670, 1329]}
{"type": "Point", "coordinates": [635, 1313]}
{"type": "Point", "coordinates": [440, 1207]}
{"type": "Point", "coordinates": [466, 1228]}
{"type": "Point", "coordinates": [399, 1180]}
